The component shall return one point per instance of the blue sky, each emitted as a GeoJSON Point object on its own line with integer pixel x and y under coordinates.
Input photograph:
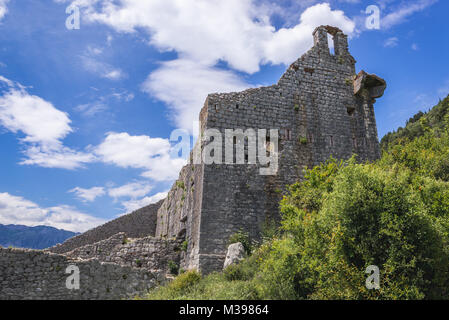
{"type": "Point", "coordinates": [86, 114]}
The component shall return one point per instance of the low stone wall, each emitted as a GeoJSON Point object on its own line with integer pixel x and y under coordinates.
{"type": "Point", "coordinates": [101, 250]}
{"type": "Point", "coordinates": [39, 275]}
{"type": "Point", "coordinates": [139, 224]}
{"type": "Point", "coordinates": [150, 253]}
{"type": "Point", "coordinates": [153, 254]}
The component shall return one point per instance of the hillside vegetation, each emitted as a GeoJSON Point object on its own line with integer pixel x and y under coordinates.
{"type": "Point", "coordinates": [344, 217]}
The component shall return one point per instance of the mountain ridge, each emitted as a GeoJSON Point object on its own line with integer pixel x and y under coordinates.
{"type": "Point", "coordinates": [38, 237]}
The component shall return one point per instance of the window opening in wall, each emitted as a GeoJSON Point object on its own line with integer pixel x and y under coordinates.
{"type": "Point", "coordinates": [331, 141]}
{"type": "Point", "coordinates": [331, 42]}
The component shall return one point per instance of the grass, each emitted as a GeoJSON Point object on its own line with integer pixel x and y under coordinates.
{"type": "Point", "coordinates": [191, 286]}
{"type": "Point", "coordinates": [237, 282]}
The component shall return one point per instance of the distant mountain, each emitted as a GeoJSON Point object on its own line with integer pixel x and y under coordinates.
{"type": "Point", "coordinates": [40, 237]}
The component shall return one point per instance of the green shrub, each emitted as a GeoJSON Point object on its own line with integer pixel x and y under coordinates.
{"type": "Point", "coordinates": [173, 267]}
{"type": "Point", "coordinates": [185, 281]}
{"type": "Point", "coordinates": [180, 184]}
{"type": "Point", "coordinates": [367, 216]}
{"type": "Point", "coordinates": [233, 272]}
{"type": "Point", "coordinates": [303, 140]}
{"type": "Point", "coordinates": [243, 238]}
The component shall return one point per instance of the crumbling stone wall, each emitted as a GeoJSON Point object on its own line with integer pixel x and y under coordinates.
{"type": "Point", "coordinates": [150, 253]}
{"type": "Point", "coordinates": [321, 108]}
{"type": "Point", "coordinates": [39, 275]}
{"type": "Point", "coordinates": [138, 224]}
{"type": "Point", "coordinates": [178, 216]}
{"type": "Point", "coordinates": [100, 250]}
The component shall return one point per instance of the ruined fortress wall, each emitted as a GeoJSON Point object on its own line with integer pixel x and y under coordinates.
{"type": "Point", "coordinates": [140, 223]}
{"type": "Point", "coordinates": [39, 275]}
{"type": "Point", "coordinates": [179, 215]}
{"type": "Point", "coordinates": [318, 116]}
{"type": "Point", "coordinates": [150, 253]}
{"type": "Point", "coordinates": [321, 109]}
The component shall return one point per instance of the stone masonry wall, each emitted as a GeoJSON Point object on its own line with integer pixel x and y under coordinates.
{"type": "Point", "coordinates": [138, 224]}
{"type": "Point", "coordinates": [39, 275]}
{"type": "Point", "coordinates": [150, 253]}
{"type": "Point", "coordinates": [178, 216]}
{"type": "Point", "coordinates": [321, 109]}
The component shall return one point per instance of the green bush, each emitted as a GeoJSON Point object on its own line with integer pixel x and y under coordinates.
{"type": "Point", "coordinates": [368, 216]}
{"type": "Point", "coordinates": [173, 267]}
{"type": "Point", "coordinates": [185, 281]}
{"type": "Point", "coordinates": [243, 238]}
{"type": "Point", "coordinates": [232, 273]}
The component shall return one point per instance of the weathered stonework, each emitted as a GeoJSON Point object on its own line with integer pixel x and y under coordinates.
{"type": "Point", "coordinates": [321, 108]}
{"type": "Point", "coordinates": [39, 275]}
{"type": "Point", "coordinates": [152, 254]}
{"type": "Point", "coordinates": [138, 224]}
{"type": "Point", "coordinates": [115, 268]}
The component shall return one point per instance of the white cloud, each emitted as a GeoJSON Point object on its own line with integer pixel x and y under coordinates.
{"type": "Point", "coordinates": [100, 104]}
{"type": "Point", "coordinates": [391, 42]}
{"type": "Point", "coordinates": [25, 113]}
{"type": "Point", "coordinates": [60, 157]}
{"type": "Point", "coordinates": [185, 84]}
{"type": "Point", "coordinates": [164, 168]}
{"type": "Point", "coordinates": [17, 210]}
{"type": "Point", "coordinates": [3, 8]}
{"type": "Point", "coordinates": [404, 11]}
{"type": "Point", "coordinates": [204, 32]}
{"type": "Point", "coordinates": [103, 69]}
{"type": "Point", "coordinates": [129, 151]}
{"type": "Point", "coordinates": [20, 111]}
{"type": "Point", "coordinates": [131, 190]}
{"type": "Point", "coordinates": [141, 152]}
{"type": "Point", "coordinates": [88, 195]}
{"type": "Point", "coordinates": [287, 44]}
{"type": "Point", "coordinates": [43, 126]}
{"type": "Point", "coordinates": [133, 205]}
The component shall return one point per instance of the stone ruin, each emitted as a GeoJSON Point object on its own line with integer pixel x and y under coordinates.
{"type": "Point", "coordinates": [321, 108]}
